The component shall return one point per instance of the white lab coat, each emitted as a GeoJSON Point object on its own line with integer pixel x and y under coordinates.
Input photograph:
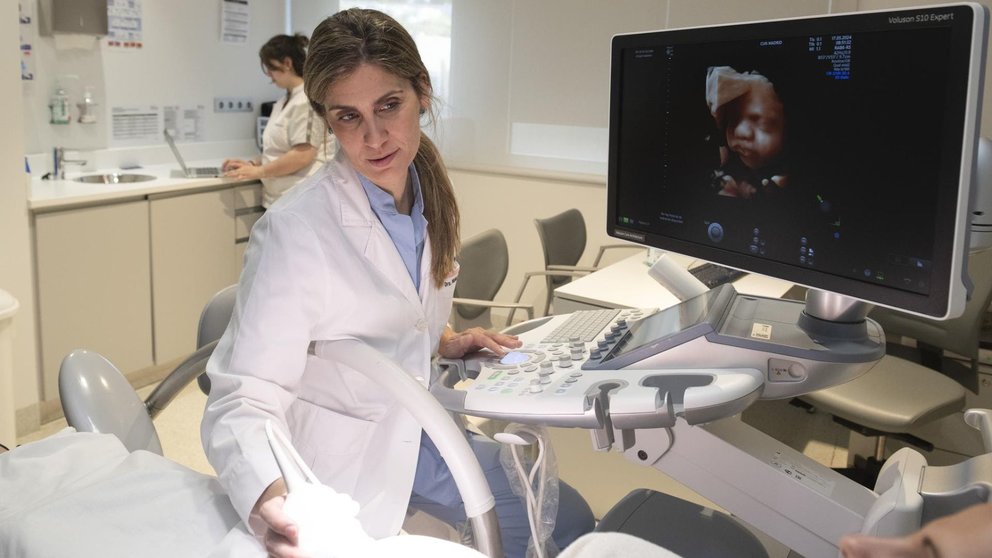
{"type": "Point", "coordinates": [319, 266]}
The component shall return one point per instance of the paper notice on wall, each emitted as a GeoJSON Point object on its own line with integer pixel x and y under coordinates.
{"type": "Point", "coordinates": [26, 29]}
{"type": "Point", "coordinates": [136, 123]}
{"type": "Point", "coordinates": [234, 18]}
{"type": "Point", "coordinates": [184, 123]}
{"type": "Point", "coordinates": [124, 24]}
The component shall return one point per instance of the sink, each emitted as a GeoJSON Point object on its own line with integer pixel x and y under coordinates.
{"type": "Point", "coordinates": [114, 178]}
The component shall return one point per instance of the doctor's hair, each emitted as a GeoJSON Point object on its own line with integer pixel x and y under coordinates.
{"type": "Point", "coordinates": [339, 46]}
{"type": "Point", "coordinates": [279, 47]}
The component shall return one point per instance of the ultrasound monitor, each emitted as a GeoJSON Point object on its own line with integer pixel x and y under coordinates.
{"type": "Point", "coordinates": [834, 152]}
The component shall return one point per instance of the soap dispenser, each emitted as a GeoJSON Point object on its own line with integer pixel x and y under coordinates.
{"type": "Point", "coordinates": [86, 113]}
{"type": "Point", "coordinates": [59, 106]}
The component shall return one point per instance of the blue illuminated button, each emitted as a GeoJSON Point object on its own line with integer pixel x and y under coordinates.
{"type": "Point", "coordinates": [715, 232]}
{"type": "Point", "coordinates": [514, 357]}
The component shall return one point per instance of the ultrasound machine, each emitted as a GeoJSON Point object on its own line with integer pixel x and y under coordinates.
{"type": "Point", "coordinates": [877, 129]}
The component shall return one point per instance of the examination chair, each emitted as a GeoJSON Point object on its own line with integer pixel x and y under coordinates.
{"type": "Point", "coordinates": [563, 240]}
{"type": "Point", "coordinates": [96, 397]}
{"type": "Point", "coordinates": [483, 260]}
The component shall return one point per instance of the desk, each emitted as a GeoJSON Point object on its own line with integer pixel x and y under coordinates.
{"type": "Point", "coordinates": [626, 284]}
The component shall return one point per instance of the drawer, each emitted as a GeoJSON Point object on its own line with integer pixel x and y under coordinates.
{"type": "Point", "coordinates": [243, 224]}
{"type": "Point", "coordinates": [248, 196]}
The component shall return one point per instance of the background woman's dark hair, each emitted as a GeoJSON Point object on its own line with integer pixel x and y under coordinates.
{"type": "Point", "coordinates": [279, 47]}
{"type": "Point", "coordinates": [351, 38]}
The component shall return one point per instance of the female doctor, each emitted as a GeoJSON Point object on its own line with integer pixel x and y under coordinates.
{"type": "Point", "coordinates": [295, 142]}
{"type": "Point", "coordinates": [364, 249]}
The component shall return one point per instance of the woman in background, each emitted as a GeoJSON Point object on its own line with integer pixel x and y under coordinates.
{"type": "Point", "coordinates": [296, 141]}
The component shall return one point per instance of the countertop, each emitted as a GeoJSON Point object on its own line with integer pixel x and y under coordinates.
{"type": "Point", "coordinates": [52, 195]}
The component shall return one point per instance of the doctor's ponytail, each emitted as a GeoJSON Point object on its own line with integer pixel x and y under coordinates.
{"type": "Point", "coordinates": [345, 41]}
{"type": "Point", "coordinates": [440, 209]}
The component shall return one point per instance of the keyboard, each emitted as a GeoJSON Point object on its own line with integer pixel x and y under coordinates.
{"type": "Point", "coordinates": [583, 325]}
{"type": "Point", "coordinates": [713, 275]}
{"type": "Point", "coordinates": [204, 172]}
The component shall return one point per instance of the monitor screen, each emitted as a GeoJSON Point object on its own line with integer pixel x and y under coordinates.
{"type": "Point", "coordinates": [834, 152]}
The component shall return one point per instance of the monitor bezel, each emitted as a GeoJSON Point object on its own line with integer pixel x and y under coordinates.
{"type": "Point", "coordinates": [949, 281]}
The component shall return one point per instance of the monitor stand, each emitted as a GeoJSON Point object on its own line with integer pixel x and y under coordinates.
{"type": "Point", "coordinates": [825, 316]}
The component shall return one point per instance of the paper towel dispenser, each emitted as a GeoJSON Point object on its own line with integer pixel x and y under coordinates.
{"type": "Point", "coordinates": [72, 17]}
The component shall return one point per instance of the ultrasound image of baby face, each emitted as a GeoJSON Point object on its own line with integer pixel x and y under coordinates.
{"type": "Point", "coordinates": [756, 126]}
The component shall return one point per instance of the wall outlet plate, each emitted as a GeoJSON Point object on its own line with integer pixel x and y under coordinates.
{"type": "Point", "coordinates": [233, 104]}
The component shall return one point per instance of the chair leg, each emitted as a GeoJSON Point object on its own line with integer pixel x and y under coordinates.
{"type": "Point", "coordinates": [880, 449]}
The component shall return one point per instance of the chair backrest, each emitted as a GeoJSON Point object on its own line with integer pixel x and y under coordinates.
{"type": "Point", "coordinates": [563, 238]}
{"type": "Point", "coordinates": [213, 322]}
{"type": "Point", "coordinates": [96, 397]}
{"type": "Point", "coordinates": [216, 315]}
{"type": "Point", "coordinates": [484, 261]}
{"type": "Point", "coordinates": [959, 335]}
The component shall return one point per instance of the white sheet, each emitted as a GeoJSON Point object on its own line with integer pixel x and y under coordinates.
{"type": "Point", "coordinates": [80, 495]}
{"type": "Point", "coordinates": [83, 495]}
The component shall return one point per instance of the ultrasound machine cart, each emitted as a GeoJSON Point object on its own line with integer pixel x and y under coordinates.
{"type": "Point", "coordinates": [864, 200]}
{"type": "Point", "coordinates": [628, 375]}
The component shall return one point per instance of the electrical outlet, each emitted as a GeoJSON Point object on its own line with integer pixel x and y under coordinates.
{"type": "Point", "coordinates": [233, 104]}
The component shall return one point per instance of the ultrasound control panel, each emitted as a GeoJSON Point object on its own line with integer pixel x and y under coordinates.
{"type": "Point", "coordinates": [704, 359]}
{"type": "Point", "coordinates": [552, 379]}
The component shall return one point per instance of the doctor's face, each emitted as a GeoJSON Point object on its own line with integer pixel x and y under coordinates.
{"type": "Point", "coordinates": [376, 118]}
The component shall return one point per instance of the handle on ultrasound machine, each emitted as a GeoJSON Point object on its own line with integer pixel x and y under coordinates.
{"type": "Point", "coordinates": [448, 436]}
{"type": "Point", "coordinates": [702, 396]}
{"type": "Point", "coordinates": [981, 419]}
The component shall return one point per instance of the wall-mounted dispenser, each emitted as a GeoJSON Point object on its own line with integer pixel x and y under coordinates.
{"type": "Point", "coordinates": [59, 106]}
{"type": "Point", "coordinates": [87, 111]}
{"type": "Point", "coordinates": [72, 17]}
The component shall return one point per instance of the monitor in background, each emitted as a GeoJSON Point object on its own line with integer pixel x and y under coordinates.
{"type": "Point", "coordinates": [835, 152]}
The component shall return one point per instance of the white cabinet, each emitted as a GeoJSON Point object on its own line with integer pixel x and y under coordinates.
{"type": "Point", "coordinates": [129, 280]}
{"type": "Point", "coordinates": [94, 286]}
{"type": "Point", "coordinates": [193, 256]}
{"type": "Point", "coordinates": [248, 209]}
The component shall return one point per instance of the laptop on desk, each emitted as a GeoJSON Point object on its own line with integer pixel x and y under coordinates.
{"type": "Point", "coordinates": [190, 172]}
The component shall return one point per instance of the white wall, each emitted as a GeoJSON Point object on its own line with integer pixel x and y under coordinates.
{"type": "Point", "coordinates": [510, 203]}
{"type": "Point", "coordinates": [16, 275]}
{"type": "Point", "coordinates": [182, 62]}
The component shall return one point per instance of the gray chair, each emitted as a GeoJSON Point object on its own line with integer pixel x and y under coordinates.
{"type": "Point", "coordinates": [484, 261]}
{"type": "Point", "coordinates": [213, 322]}
{"type": "Point", "coordinates": [96, 397]}
{"type": "Point", "coordinates": [959, 335]}
{"type": "Point", "coordinates": [888, 402]}
{"type": "Point", "coordinates": [898, 395]}
{"type": "Point", "coordinates": [563, 240]}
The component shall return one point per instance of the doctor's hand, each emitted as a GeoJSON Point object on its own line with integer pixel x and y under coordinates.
{"type": "Point", "coordinates": [457, 345]}
{"type": "Point", "coordinates": [281, 534]}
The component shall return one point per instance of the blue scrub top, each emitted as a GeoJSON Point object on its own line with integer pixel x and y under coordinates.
{"type": "Point", "coordinates": [433, 479]}
{"type": "Point", "coordinates": [406, 231]}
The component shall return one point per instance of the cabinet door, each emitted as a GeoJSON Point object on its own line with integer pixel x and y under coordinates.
{"type": "Point", "coordinates": [94, 286]}
{"type": "Point", "coordinates": [193, 256]}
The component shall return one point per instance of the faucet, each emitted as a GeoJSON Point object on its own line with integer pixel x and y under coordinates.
{"type": "Point", "coordinates": [60, 162]}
